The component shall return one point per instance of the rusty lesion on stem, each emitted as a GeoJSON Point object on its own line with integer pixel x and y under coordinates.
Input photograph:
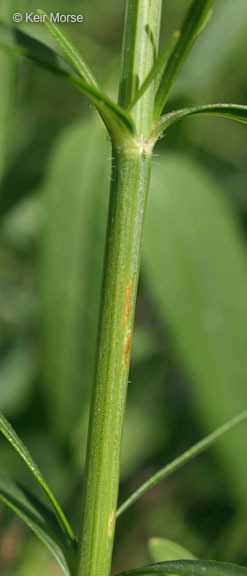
{"type": "Point", "coordinates": [127, 344]}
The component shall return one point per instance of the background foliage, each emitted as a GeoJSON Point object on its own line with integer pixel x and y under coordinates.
{"type": "Point", "coordinates": [188, 369]}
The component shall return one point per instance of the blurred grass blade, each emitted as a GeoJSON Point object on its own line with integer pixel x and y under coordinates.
{"type": "Point", "coordinates": [233, 111]}
{"type": "Point", "coordinates": [19, 181]}
{"type": "Point", "coordinates": [157, 69]}
{"type": "Point", "coordinates": [20, 44]}
{"type": "Point", "coordinates": [70, 50]}
{"type": "Point", "coordinates": [196, 18]}
{"type": "Point", "coordinates": [71, 268]}
{"type": "Point", "coordinates": [163, 550]}
{"type": "Point", "coordinates": [7, 75]}
{"type": "Point", "coordinates": [192, 231]}
{"type": "Point", "coordinates": [189, 568]}
{"type": "Point", "coordinates": [39, 519]}
{"type": "Point", "coordinates": [16, 442]}
{"type": "Point", "coordinates": [170, 468]}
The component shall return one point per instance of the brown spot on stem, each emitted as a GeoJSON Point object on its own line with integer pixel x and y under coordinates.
{"type": "Point", "coordinates": [127, 347]}
{"type": "Point", "coordinates": [127, 303]}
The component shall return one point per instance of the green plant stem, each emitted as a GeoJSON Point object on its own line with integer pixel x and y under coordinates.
{"type": "Point", "coordinates": [130, 182]}
{"type": "Point", "coordinates": [140, 48]}
{"type": "Point", "coordinates": [127, 208]}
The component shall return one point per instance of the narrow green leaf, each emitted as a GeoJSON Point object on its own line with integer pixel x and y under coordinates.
{"type": "Point", "coordinates": [207, 65]}
{"type": "Point", "coordinates": [196, 18]}
{"type": "Point", "coordinates": [70, 50]}
{"type": "Point", "coordinates": [117, 120]}
{"type": "Point", "coordinates": [157, 69]}
{"type": "Point", "coordinates": [20, 44]}
{"type": "Point", "coordinates": [7, 75]}
{"type": "Point", "coordinates": [236, 112]}
{"type": "Point", "coordinates": [39, 519]}
{"type": "Point", "coordinates": [180, 461]}
{"type": "Point", "coordinates": [16, 42]}
{"type": "Point", "coordinates": [16, 442]}
{"type": "Point", "coordinates": [189, 568]}
{"type": "Point", "coordinates": [163, 550]}
{"type": "Point", "coordinates": [101, 101]}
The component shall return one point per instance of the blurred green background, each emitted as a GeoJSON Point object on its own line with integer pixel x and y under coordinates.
{"type": "Point", "coordinates": [189, 363]}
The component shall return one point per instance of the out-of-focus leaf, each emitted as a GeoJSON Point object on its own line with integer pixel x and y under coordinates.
{"type": "Point", "coordinates": [22, 226]}
{"type": "Point", "coordinates": [18, 367]}
{"type": "Point", "coordinates": [189, 568]}
{"type": "Point", "coordinates": [7, 75]}
{"type": "Point", "coordinates": [18, 43]}
{"type": "Point", "coordinates": [215, 53]}
{"type": "Point", "coordinates": [26, 173]}
{"type": "Point", "coordinates": [196, 272]}
{"type": "Point", "coordinates": [194, 22]}
{"type": "Point", "coordinates": [16, 442]}
{"type": "Point", "coordinates": [34, 559]}
{"type": "Point", "coordinates": [76, 204]}
{"type": "Point", "coordinates": [39, 519]}
{"type": "Point", "coordinates": [163, 550]}
{"type": "Point", "coordinates": [232, 111]}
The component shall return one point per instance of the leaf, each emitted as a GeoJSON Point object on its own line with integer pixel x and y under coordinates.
{"type": "Point", "coordinates": [76, 197]}
{"type": "Point", "coordinates": [39, 519]}
{"type": "Point", "coordinates": [17, 374]}
{"type": "Point", "coordinates": [195, 266]}
{"type": "Point", "coordinates": [195, 450]}
{"type": "Point", "coordinates": [162, 549]}
{"type": "Point", "coordinates": [189, 568]}
{"type": "Point", "coordinates": [22, 179]}
{"type": "Point", "coordinates": [70, 50]}
{"type": "Point", "coordinates": [16, 442]}
{"type": "Point", "coordinates": [210, 59]}
{"type": "Point", "coordinates": [236, 112]}
{"type": "Point", "coordinates": [195, 20]}
{"type": "Point", "coordinates": [18, 43]}
{"type": "Point", "coordinates": [7, 74]}
{"type": "Point", "coordinates": [157, 68]}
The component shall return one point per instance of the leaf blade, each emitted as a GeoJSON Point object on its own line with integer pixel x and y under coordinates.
{"type": "Point", "coordinates": [195, 20]}
{"type": "Point", "coordinates": [69, 303]}
{"type": "Point", "coordinates": [70, 50]}
{"type": "Point", "coordinates": [194, 451]}
{"type": "Point", "coordinates": [10, 435]}
{"type": "Point", "coordinates": [189, 568]}
{"type": "Point", "coordinates": [192, 231]}
{"type": "Point", "coordinates": [236, 112]}
{"type": "Point", "coordinates": [39, 519]}
{"type": "Point", "coordinates": [162, 549]}
{"type": "Point", "coordinates": [19, 44]}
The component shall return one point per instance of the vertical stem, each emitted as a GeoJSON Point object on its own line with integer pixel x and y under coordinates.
{"type": "Point", "coordinates": [140, 47]}
{"type": "Point", "coordinates": [130, 183]}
